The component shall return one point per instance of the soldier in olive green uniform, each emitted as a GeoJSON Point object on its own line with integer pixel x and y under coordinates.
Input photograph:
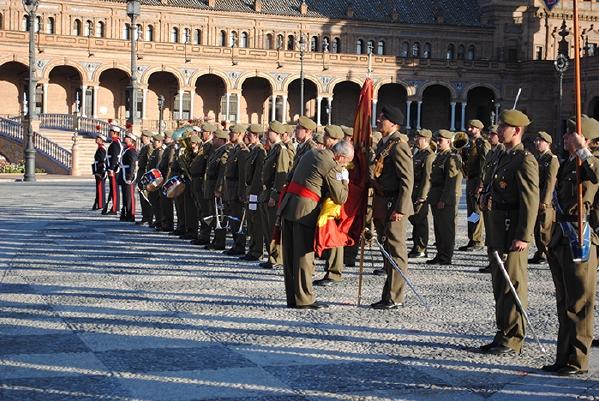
{"type": "Point", "coordinates": [392, 181]}
{"type": "Point", "coordinates": [274, 174]}
{"type": "Point", "coordinates": [474, 162]}
{"type": "Point", "coordinates": [191, 210]}
{"type": "Point", "coordinates": [253, 187]}
{"type": "Point", "coordinates": [142, 167]}
{"type": "Point", "coordinates": [198, 170]}
{"type": "Point", "coordinates": [514, 193]}
{"type": "Point", "coordinates": [234, 187]}
{"type": "Point", "coordinates": [154, 196]}
{"type": "Point", "coordinates": [304, 131]}
{"type": "Point", "coordinates": [444, 197]}
{"type": "Point", "coordinates": [575, 282]}
{"type": "Point", "coordinates": [423, 164]}
{"type": "Point", "coordinates": [287, 140]}
{"type": "Point", "coordinates": [165, 166]}
{"type": "Point", "coordinates": [213, 187]}
{"type": "Point", "coordinates": [548, 166]}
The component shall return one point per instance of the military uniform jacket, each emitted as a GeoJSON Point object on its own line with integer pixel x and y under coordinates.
{"type": "Point", "coordinates": [302, 149]}
{"type": "Point", "coordinates": [319, 172]}
{"type": "Point", "coordinates": [128, 165]}
{"type": "Point", "coordinates": [114, 155]}
{"type": "Point", "coordinates": [142, 159]}
{"type": "Point", "coordinates": [491, 160]}
{"type": "Point", "coordinates": [274, 172]}
{"type": "Point", "coordinates": [290, 145]}
{"type": "Point", "coordinates": [99, 166]}
{"type": "Point", "coordinates": [423, 164]}
{"type": "Point", "coordinates": [476, 161]}
{"type": "Point", "coordinates": [445, 179]}
{"type": "Point", "coordinates": [548, 166]}
{"type": "Point", "coordinates": [198, 166]}
{"type": "Point", "coordinates": [514, 192]}
{"type": "Point", "coordinates": [253, 170]}
{"type": "Point", "coordinates": [396, 182]}
{"type": "Point", "coordinates": [215, 171]}
{"type": "Point", "coordinates": [234, 184]}
{"type": "Point", "coordinates": [155, 159]}
{"type": "Point", "coordinates": [167, 160]}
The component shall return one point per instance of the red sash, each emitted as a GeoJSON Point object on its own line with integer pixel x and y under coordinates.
{"type": "Point", "coordinates": [300, 190]}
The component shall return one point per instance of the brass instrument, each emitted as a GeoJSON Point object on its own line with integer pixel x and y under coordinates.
{"type": "Point", "coordinates": [461, 144]}
{"type": "Point", "coordinates": [433, 146]}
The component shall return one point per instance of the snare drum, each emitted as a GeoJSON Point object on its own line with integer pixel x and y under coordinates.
{"type": "Point", "coordinates": [152, 180]}
{"type": "Point", "coordinates": [173, 187]}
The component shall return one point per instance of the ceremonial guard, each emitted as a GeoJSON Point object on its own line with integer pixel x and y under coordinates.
{"type": "Point", "coordinates": [99, 172]}
{"type": "Point", "coordinates": [142, 163]}
{"type": "Point", "coordinates": [165, 166]}
{"type": "Point", "coordinates": [198, 170]}
{"type": "Point", "coordinates": [113, 159]}
{"type": "Point", "coordinates": [126, 177]}
{"type": "Point", "coordinates": [423, 163]}
{"type": "Point", "coordinates": [392, 180]}
{"type": "Point", "coordinates": [234, 187]}
{"type": "Point", "coordinates": [575, 278]}
{"type": "Point", "coordinates": [154, 196]}
{"type": "Point", "coordinates": [274, 174]}
{"type": "Point", "coordinates": [319, 174]}
{"type": "Point", "coordinates": [514, 202]}
{"type": "Point", "coordinates": [253, 186]}
{"type": "Point", "coordinates": [548, 166]}
{"type": "Point", "coordinates": [213, 188]}
{"type": "Point", "coordinates": [474, 155]}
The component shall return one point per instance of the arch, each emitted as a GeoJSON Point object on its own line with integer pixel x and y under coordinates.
{"type": "Point", "coordinates": [64, 62]}
{"type": "Point", "coordinates": [221, 74]}
{"type": "Point", "coordinates": [25, 23]}
{"type": "Point", "coordinates": [338, 80]}
{"type": "Point", "coordinates": [452, 89]}
{"type": "Point", "coordinates": [271, 80]}
{"type": "Point", "coordinates": [186, 35]}
{"type": "Point", "coordinates": [279, 44]}
{"type": "Point", "coordinates": [38, 24]}
{"type": "Point", "coordinates": [233, 39]}
{"type": "Point", "coordinates": [208, 93]}
{"type": "Point", "coordinates": [145, 76]}
{"type": "Point", "coordinates": [105, 67]}
{"type": "Point", "coordinates": [317, 82]}
{"type": "Point", "coordinates": [474, 85]}
{"type": "Point", "coordinates": [416, 49]}
{"type": "Point", "coordinates": [253, 103]}
{"type": "Point", "coordinates": [382, 82]}
{"type": "Point", "coordinates": [314, 44]}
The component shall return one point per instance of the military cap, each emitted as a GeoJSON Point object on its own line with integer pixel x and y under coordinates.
{"type": "Point", "coordinates": [443, 133]}
{"type": "Point", "coordinates": [256, 129]}
{"type": "Point", "coordinates": [306, 123]}
{"type": "Point", "coordinates": [131, 135]}
{"type": "Point", "coordinates": [237, 128]}
{"type": "Point", "coordinates": [514, 118]}
{"type": "Point", "coordinates": [347, 131]}
{"type": "Point", "coordinates": [115, 128]}
{"type": "Point", "coordinates": [289, 128]}
{"type": "Point", "coordinates": [476, 123]}
{"type": "Point", "coordinates": [219, 133]}
{"type": "Point", "coordinates": [208, 127]}
{"type": "Point", "coordinates": [147, 133]}
{"type": "Point", "coordinates": [157, 137]}
{"type": "Point", "coordinates": [169, 133]}
{"type": "Point", "coordinates": [376, 136]}
{"type": "Point", "coordinates": [590, 126]}
{"type": "Point", "coordinates": [334, 131]}
{"type": "Point", "coordinates": [318, 138]}
{"type": "Point", "coordinates": [492, 129]}
{"type": "Point", "coordinates": [424, 133]}
{"type": "Point", "coordinates": [277, 127]}
{"type": "Point", "coordinates": [195, 128]}
{"type": "Point", "coordinates": [195, 139]}
{"type": "Point", "coordinates": [544, 136]}
{"type": "Point", "coordinates": [393, 114]}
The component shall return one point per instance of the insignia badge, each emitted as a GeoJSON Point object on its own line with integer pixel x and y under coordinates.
{"type": "Point", "coordinates": [503, 184]}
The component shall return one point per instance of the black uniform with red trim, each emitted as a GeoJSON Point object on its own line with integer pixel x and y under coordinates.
{"type": "Point", "coordinates": [113, 158]}
{"type": "Point", "coordinates": [126, 179]}
{"type": "Point", "coordinates": [99, 172]}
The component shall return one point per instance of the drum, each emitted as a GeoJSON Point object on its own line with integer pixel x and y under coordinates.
{"type": "Point", "coordinates": [152, 180]}
{"type": "Point", "coordinates": [173, 187]}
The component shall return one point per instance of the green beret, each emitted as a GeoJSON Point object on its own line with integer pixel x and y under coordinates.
{"type": "Point", "coordinates": [334, 131]}
{"type": "Point", "coordinates": [493, 129]}
{"type": "Point", "coordinates": [347, 131]}
{"type": "Point", "coordinates": [237, 128]}
{"type": "Point", "coordinates": [306, 123]}
{"type": "Point", "coordinates": [318, 138]}
{"type": "Point", "coordinates": [476, 123]}
{"type": "Point", "coordinates": [277, 127]}
{"type": "Point", "coordinates": [393, 114]}
{"type": "Point", "coordinates": [221, 134]}
{"type": "Point", "coordinates": [195, 139]}
{"type": "Point", "coordinates": [424, 133]}
{"type": "Point", "coordinates": [514, 118]}
{"type": "Point", "coordinates": [147, 133]}
{"type": "Point", "coordinates": [289, 128]}
{"type": "Point", "coordinates": [590, 126]}
{"type": "Point", "coordinates": [443, 133]}
{"type": "Point", "coordinates": [157, 137]}
{"type": "Point", "coordinates": [545, 136]}
{"type": "Point", "coordinates": [169, 133]}
{"type": "Point", "coordinates": [208, 127]}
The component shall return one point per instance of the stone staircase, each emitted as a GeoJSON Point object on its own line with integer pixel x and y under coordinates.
{"type": "Point", "coordinates": [87, 146]}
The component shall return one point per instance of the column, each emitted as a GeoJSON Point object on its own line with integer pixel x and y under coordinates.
{"type": "Point", "coordinates": [452, 127]}
{"type": "Point", "coordinates": [45, 99]}
{"type": "Point", "coordinates": [95, 97]}
{"type": "Point", "coordinates": [464, 116]}
{"type": "Point", "coordinates": [144, 96]}
{"type": "Point", "coordinates": [318, 109]}
{"type": "Point", "coordinates": [181, 92]}
{"type": "Point", "coordinates": [498, 106]}
{"type": "Point", "coordinates": [419, 115]}
{"type": "Point", "coordinates": [228, 107]}
{"type": "Point", "coordinates": [374, 113]}
{"type": "Point", "coordinates": [82, 106]}
{"type": "Point", "coordinates": [284, 117]}
{"type": "Point", "coordinates": [273, 110]}
{"type": "Point", "coordinates": [330, 100]}
{"type": "Point", "coordinates": [408, 111]}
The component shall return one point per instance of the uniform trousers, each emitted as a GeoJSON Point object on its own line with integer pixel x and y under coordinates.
{"type": "Point", "coordinates": [488, 227]}
{"type": "Point", "coordinates": [475, 230]}
{"type": "Point", "coordinates": [113, 194]}
{"type": "Point", "coordinates": [392, 235]}
{"type": "Point", "coordinates": [203, 206]}
{"type": "Point", "coordinates": [420, 228]}
{"type": "Point", "coordinates": [269, 218]}
{"type": "Point", "coordinates": [128, 210]}
{"type": "Point", "coordinates": [334, 264]}
{"type": "Point", "coordinates": [146, 208]}
{"type": "Point", "coordinates": [239, 240]}
{"type": "Point", "coordinates": [180, 210]}
{"type": "Point", "coordinates": [191, 212]}
{"type": "Point", "coordinates": [575, 288]}
{"type": "Point", "coordinates": [256, 233]}
{"type": "Point", "coordinates": [220, 234]}
{"type": "Point", "coordinates": [445, 221]}
{"type": "Point", "coordinates": [100, 193]}
{"type": "Point", "coordinates": [298, 262]}
{"type": "Point", "coordinates": [154, 198]}
{"type": "Point", "coordinates": [543, 231]}
{"type": "Point", "coordinates": [168, 216]}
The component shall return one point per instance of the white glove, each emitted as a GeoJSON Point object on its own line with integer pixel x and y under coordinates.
{"type": "Point", "coordinates": [345, 174]}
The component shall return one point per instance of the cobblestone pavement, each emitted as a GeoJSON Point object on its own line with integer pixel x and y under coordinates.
{"type": "Point", "coordinates": [91, 308]}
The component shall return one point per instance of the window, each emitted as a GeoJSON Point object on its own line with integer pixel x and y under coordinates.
{"type": "Point", "coordinates": [77, 28]}
{"type": "Point", "coordinates": [290, 42]}
{"type": "Point", "coordinates": [360, 46]}
{"type": "Point", "coordinates": [325, 44]}
{"type": "Point", "coordinates": [427, 50]}
{"type": "Point", "coordinates": [450, 50]}
{"type": "Point", "coordinates": [184, 114]}
{"type": "Point", "coordinates": [243, 40]}
{"type": "Point", "coordinates": [232, 116]}
{"type": "Point", "coordinates": [175, 35]}
{"type": "Point", "coordinates": [38, 24]}
{"type": "Point", "coordinates": [370, 48]}
{"type": "Point", "coordinates": [197, 37]}
{"type": "Point", "coordinates": [186, 35]}
{"type": "Point", "coordinates": [25, 23]}
{"type": "Point", "coordinates": [416, 49]}
{"type": "Point", "coordinates": [126, 32]}
{"type": "Point", "coordinates": [1, 16]}
{"type": "Point", "coordinates": [314, 44]}
{"type": "Point", "coordinates": [88, 30]}
{"type": "Point", "coordinates": [405, 48]}
{"type": "Point", "coordinates": [268, 42]}
{"type": "Point", "coordinates": [460, 52]}
{"type": "Point", "coordinates": [471, 52]}
{"type": "Point", "coordinates": [279, 44]}
{"type": "Point", "coordinates": [149, 33]}
{"type": "Point", "coordinates": [336, 46]}
{"type": "Point", "coordinates": [380, 48]}
{"type": "Point", "coordinates": [222, 38]}
{"type": "Point", "coordinates": [99, 29]}
{"type": "Point", "coordinates": [50, 25]}
{"type": "Point", "coordinates": [233, 39]}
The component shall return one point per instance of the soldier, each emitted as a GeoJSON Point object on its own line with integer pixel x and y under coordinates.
{"type": "Point", "coordinates": [319, 172]}
{"type": "Point", "coordinates": [253, 186]}
{"type": "Point", "coordinates": [474, 166]}
{"type": "Point", "coordinates": [126, 177]}
{"type": "Point", "coordinates": [392, 180]}
{"type": "Point", "coordinates": [191, 208]}
{"type": "Point", "coordinates": [514, 193]}
{"type": "Point", "coordinates": [154, 196]}
{"type": "Point", "coordinates": [304, 131]}
{"type": "Point", "coordinates": [423, 163]}
{"type": "Point", "coordinates": [548, 166]}
{"type": "Point", "coordinates": [234, 187]}
{"type": "Point", "coordinates": [198, 170]}
{"type": "Point", "coordinates": [575, 281]}
{"type": "Point", "coordinates": [351, 252]}
{"type": "Point", "coordinates": [165, 166]}
{"type": "Point", "coordinates": [113, 158]}
{"type": "Point", "coordinates": [179, 166]}
{"type": "Point", "coordinates": [287, 140]}
{"type": "Point", "coordinates": [213, 187]}
{"type": "Point", "coordinates": [99, 172]}
{"type": "Point", "coordinates": [274, 174]}
{"type": "Point", "coordinates": [444, 197]}
{"type": "Point", "coordinates": [142, 163]}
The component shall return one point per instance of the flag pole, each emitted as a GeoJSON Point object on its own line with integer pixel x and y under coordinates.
{"type": "Point", "coordinates": [578, 115]}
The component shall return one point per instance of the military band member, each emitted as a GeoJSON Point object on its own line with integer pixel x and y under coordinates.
{"type": "Point", "coordinates": [113, 158]}
{"type": "Point", "coordinates": [190, 206]}
{"type": "Point", "coordinates": [444, 197]}
{"type": "Point", "coordinates": [154, 196]}
{"type": "Point", "coordinates": [165, 166]}
{"type": "Point", "coordinates": [178, 166]}
{"type": "Point", "coordinates": [127, 176]}
{"type": "Point", "coordinates": [198, 171]}
{"type": "Point", "coordinates": [548, 166]}
{"type": "Point", "coordinates": [392, 181]}
{"type": "Point", "coordinates": [99, 172]}
{"type": "Point", "coordinates": [142, 164]}
{"type": "Point", "coordinates": [514, 192]}
{"type": "Point", "coordinates": [474, 166]}
{"type": "Point", "coordinates": [423, 163]}
{"type": "Point", "coordinates": [575, 281]}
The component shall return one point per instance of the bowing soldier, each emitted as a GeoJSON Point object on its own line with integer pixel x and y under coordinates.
{"type": "Point", "coordinates": [126, 177]}
{"type": "Point", "coordinates": [113, 157]}
{"type": "Point", "coordinates": [142, 164]}
{"type": "Point", "coordinates": [198, 170]}
{"type": "Point", "coordinates": [99, 172]}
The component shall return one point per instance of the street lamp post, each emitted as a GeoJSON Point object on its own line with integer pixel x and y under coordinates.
{"type": "Point", "coordinates": [561, 65]}
{"type": "Point", "coordinates": [302, 45]}
{"type": "Point", "coordinates": [31, 8]}
{"type": "Point", "coordinates": [160, 112]}
{"type": "Point", "coordinates": [133, 13]}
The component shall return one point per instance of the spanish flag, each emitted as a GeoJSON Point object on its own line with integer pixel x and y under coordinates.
{"type": "Point", "coordinates": [327, 233]}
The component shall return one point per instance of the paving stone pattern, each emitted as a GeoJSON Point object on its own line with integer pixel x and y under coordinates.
{"type": "Point", "coordinates": [91, 308]}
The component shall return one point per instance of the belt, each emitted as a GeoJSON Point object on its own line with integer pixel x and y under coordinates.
{"type": "Point", "coordinates": [505, 206]}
